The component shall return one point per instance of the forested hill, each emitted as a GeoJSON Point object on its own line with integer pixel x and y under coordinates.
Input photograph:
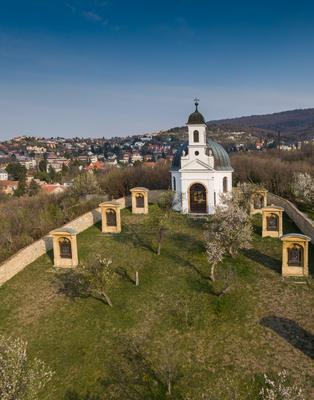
{"type": "Point", "coordinates": [294, 123]}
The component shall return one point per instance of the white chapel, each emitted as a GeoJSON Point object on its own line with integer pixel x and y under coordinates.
{"type": "Point", "coordinates": [201, 171]}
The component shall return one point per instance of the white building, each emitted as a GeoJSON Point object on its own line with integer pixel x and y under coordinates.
{"type": "Point", "coordinates": [136, 157]}
{"type": "Point", "coordinates": [201, 170]}
{"type": "Point", "coordinates": [4, 176]}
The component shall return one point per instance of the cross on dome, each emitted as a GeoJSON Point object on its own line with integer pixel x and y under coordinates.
{"type": "Point", "coordinates": [196, 102]}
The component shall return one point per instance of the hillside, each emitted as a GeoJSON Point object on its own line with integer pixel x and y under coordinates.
{"type": "Point", "coordinates": [294, 123]}
{"type": "Point", "coordinates": [216, 345]}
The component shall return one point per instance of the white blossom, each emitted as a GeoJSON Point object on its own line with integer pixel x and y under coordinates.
{"type": "Point", "coordinates": [280, 389]}
{"type": "Point", "coordinates": [20, 377]}
{"type": "Point", "coordinates": [303, 187]}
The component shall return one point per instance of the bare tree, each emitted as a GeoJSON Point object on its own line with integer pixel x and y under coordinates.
{"type": "Point", "coordinates": [215, 252]}
{"type": "Point", "coordinates": [97, 277]}
{"type": "Point", "coordinates": [141, 373]}
{"type": "Point", "coordinates": [21, 378]}
{"type": "Point", "coordinates": [160, 217]}
{"type": "Point", "coordinates": [158, 223]}
{"type": "Point", "coordinates": [85, 183]}
{"type": "Point", "coordinates": [131, 261]}
{"type": "Point", "coordinates": [168, 366]}
{"type": "Point", "coordinates": [242, 195]}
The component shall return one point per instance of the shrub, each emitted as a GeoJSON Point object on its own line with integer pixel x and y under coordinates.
{"type": "Point", "coordinates": [24, 220]}
{"type": "Point", "coordinates": [271, 169]}
{"type": "Point", "coordinates": [117, 182]}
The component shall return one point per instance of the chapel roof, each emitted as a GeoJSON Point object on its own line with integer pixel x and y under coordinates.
{"type": "Point", "coordinates": [196, 118]}
{"type": "Point", "coordinates": [221, 157]}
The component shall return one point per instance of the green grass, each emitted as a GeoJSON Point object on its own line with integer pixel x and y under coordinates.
{"type": "Point", "coordinates": [218, 343]}
{"type": "Point", "coordinates": [309, 211]}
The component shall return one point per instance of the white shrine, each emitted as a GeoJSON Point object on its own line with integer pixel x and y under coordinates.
{"type": "Point", "coordinates": [201, 171]}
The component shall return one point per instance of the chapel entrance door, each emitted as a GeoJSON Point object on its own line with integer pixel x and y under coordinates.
{"type": "Point", "coordinates": [198, 199]}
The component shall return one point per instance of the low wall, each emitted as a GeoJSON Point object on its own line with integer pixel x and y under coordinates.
{"type": "Point", "coordinates": [305, 224]}
{"type": "Point", "coordinates": [29, 254]}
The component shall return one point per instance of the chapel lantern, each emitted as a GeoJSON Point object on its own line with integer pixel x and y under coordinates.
{"type": "Point", "coordinates": [295, 258]}
{"type": "Point", "coordinates": [258, 201]}
{"type": "Point", "coordinates": [65, 248]}
{"type": "Point", "coordinates": [139, 200]}
{"type": "Point", "coordinates": [110, 216]}
{"type": "Point", "coordinates": [272, 221]}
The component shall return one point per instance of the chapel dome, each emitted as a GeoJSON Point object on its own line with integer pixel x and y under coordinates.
{"type": "Point", "coordinates": [196, 118]}
{"type": "Point", "coordinates": [221, 157]}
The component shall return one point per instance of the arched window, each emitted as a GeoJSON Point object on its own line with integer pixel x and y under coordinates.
{"type": "Point", "coordinates": [225, 184]}
{"type": "Point", "coordinates": [111, 217]}
{"type": "Point", "coordinates": [196, 136]}
{"type": "Point", "coordinates": [174, 184]}
{"type": "Point", "coordinates": [65, 248]}
{"type": "Point", "coordinates": [295, 256]}
{"type": "Point", "coordinates": [272, 223]}
{"type": "Point", "coordinates": [140, 200]}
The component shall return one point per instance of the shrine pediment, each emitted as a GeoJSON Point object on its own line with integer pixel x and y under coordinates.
{"type": "Point", "coordinates": [197, 165]}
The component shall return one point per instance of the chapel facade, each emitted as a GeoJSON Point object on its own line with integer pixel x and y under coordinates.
{"type": "Point", "coordinates": [201, 171]}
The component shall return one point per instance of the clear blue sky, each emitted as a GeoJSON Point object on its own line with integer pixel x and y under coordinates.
{"type": "Point", "coordinates": [118, 67]}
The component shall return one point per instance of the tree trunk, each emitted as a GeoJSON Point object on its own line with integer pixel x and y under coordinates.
{"type": "Point", "coordinates": [232, 251]}
{"type": "Point", "coordinates": [137, 280]}
{"type": "Point", "coordinates": [158, 248]}
{"type": "Point", "coordinates": [160, 237]}
{"type": "Point", "coordinates": [169, 387]}
{"type": "Point", "coordinates": [212, 272]}
{"type": "Point", "coordinates": [107, 299]}
{"type": "Point", "coordinates": [223, 292]}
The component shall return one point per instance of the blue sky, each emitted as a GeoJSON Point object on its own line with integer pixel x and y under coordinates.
{"type": "Point", "coordinates": [118, 67]}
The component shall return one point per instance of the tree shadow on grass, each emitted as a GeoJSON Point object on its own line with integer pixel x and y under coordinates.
{"type": "Point", "coordinates": [50, 255]}
{"type": "Point", "coordinates": [69, 284]}
{"type": "Point", "coordinates": [134, 375]}
{"type": "Point", "coordinates": [124, 274]}
{"type": "Point", "coordinates": [73, 395]}
{"type": "Point", "coordinates": [98, 225]}
{"type": "Point", "coordinates": [257, 229]}
{"type": "Point", "coordinates": [263, 259]}
{"type": "Point", "coordinates": [292, 332]}
{"type": "Point", "coordinates": [186, 242]}
{"type": "Point", "coordinates": [74, 285]}
{"type": "Point", "coordinates": [137, 239]}
{"type": "Point", "coordinates": [183, 262]}
{"type": "Point", "coordinates": [289, 226]}
{"type": "Point", "coordinates": [200, 285]}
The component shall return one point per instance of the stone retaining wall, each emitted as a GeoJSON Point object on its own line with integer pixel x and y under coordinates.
{"type": "Point", "coordinates": [29, 254]}
{"type": "Point", "coordinates": [305, 224]}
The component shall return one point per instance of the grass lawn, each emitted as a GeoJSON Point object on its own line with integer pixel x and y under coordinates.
{"type": "Point", "coordinates": [306, 209]}
{"type": "Point", "coordinates": [310, 213]}
{"type": "Point", "coordinates": [213, 345]}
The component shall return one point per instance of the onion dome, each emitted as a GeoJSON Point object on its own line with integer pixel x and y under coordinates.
{"type": "Point", "coordinates": [196, 118]}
